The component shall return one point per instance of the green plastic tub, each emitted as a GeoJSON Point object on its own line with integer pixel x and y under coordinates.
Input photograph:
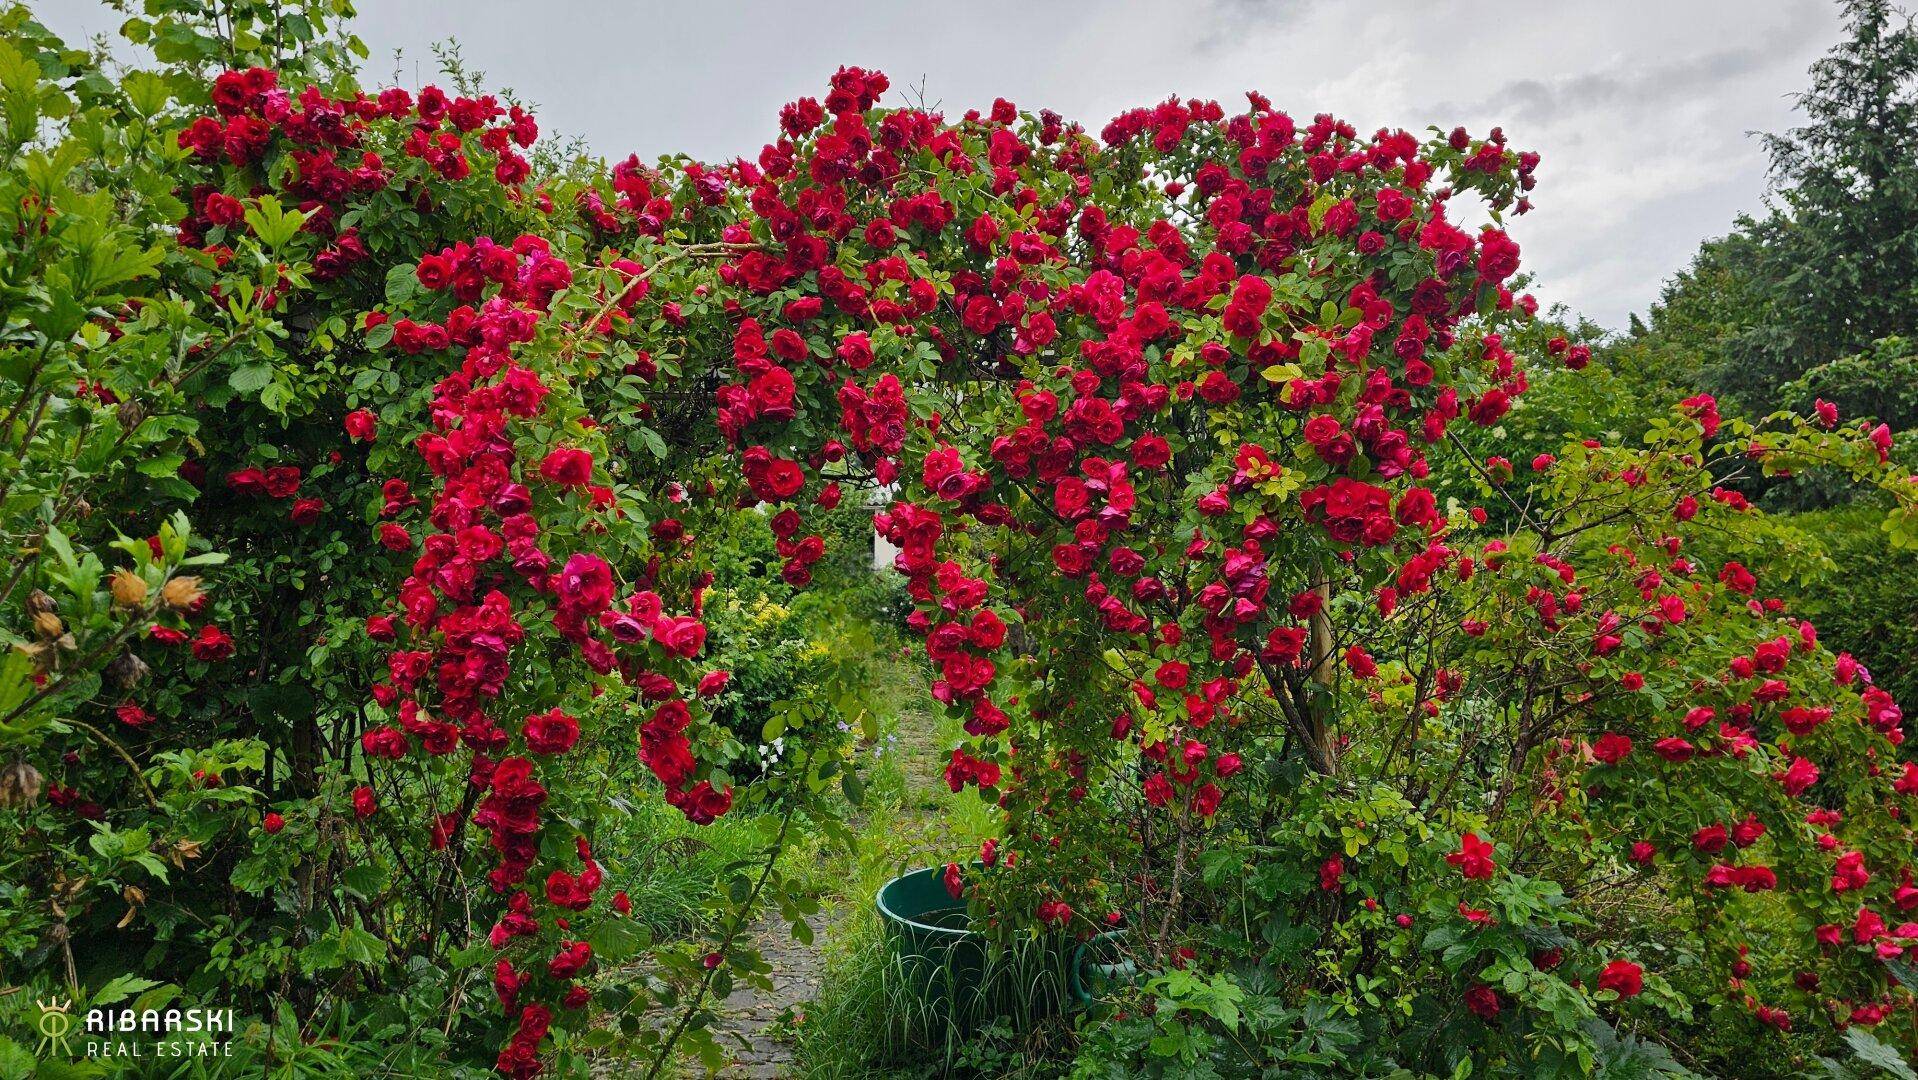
{"type": "Point", "coordinates": [953, 978]}
{"type": "Point", "coordinates": [941, 963]}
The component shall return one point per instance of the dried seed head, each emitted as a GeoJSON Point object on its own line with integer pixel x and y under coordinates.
{"type": "Point", "coordinates": [131, 413]}
{"type": "Point", "coordinates": [38, 601]}
{"type": "Point", "coordinates": [129, 589]}
{"type": "Point", "coordinates": [66, 890]}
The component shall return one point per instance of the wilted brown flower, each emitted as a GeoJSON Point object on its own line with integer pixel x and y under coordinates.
{"type": "Point", "coordinates": [181, 593]}
{"type": "Point", "coordinates": [48, 625]}
{"type": "Point", "coordinates": [39, 652]}
{"type": "Point", "coordinates": [182, 851]}
{"type": "Point", "coordinates": [126, 671]}
{"type": "Point", "coordinates": [20, 784]}
{"type": "Point", "coordinates": [129, 589]}
{"type": "Point", "coordinates": [38, 601]}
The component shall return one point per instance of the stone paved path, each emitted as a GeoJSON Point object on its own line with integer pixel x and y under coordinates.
{"type": "Point", "coordinates": [749, 1018]}
{"type": "Point", "coordinates": [749, 1014]}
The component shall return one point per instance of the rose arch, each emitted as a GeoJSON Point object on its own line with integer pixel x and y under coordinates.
{"type": "Point", "coordinates": [1183, 425]}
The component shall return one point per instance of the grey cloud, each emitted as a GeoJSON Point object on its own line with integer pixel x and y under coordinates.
{"type": "Point", "coordinates": [1542, 101]}
{"type": "Point", "coordinates": [1226, 22]}
{"type": "Point", "coordinates": [1636, 84]}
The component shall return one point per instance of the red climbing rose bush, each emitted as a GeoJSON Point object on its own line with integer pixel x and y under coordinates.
{"type": "Point", "coordinates": [1165, 409]}
{"type": "Point", "coordinates": [1162, 411]}
{"type": "Point", "coordinates": [469, 626]}
{"type": "Point", "coordinates": [532, 613]}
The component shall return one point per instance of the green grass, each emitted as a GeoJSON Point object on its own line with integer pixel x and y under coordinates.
{"type": "Point", "coordinates": [870, 1021]}
{"type": "Point", "coordinates": [669, 866]}
{"type": "Point", "coordinates": [865, 1021]}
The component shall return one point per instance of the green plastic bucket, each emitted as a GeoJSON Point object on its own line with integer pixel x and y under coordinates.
{"type": "Point", "coordinates": [955, 980]}
{"type": "Point", "coordinates": [940, 961]}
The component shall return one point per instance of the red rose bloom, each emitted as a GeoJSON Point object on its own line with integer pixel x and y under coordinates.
{"type": "Point", "coordinates": [550, 732]}
{"type": "Point", "coordinates": [1473, 857]}
{"type": "Point", "coordinates": [1622, 977]}
{"type": "Point", "coordinates": [1612, 748]}
{"type": "Point", "coordinates": [567, 466]}
{"type": "Point", "coordinates": [212, 644]}
{"type": "Point", "coordinates": [1151, 452]}
{"type": "Point", "coordinates": [283, 481]}
{"type": "Point", "coordinates": [681, 636]}
{"type": "Point", "coordinates": [784, 478]}
{"type": "Point", "coordinates": [1482, 1000]}
{"type": "Point", "coordinates": [361, 426]}
{"type": "Point", "coordinates": [306, 511]}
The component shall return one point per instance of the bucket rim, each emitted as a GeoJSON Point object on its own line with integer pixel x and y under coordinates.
{"type": "Point", "coordinates": [886, 911]}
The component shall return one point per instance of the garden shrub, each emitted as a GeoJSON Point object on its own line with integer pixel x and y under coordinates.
{"type": "Point", "coordinates": [771, 659]}
{"type": "Point", "coordinates": [1881, 382]}
{"type": "Point", "coordinates": [1165, 414]}
{"type": "Point", "coordinates": [1867, 603]}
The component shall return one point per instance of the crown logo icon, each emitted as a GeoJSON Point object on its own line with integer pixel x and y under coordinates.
{"type": "Point", "coordinates": [55, 1024]}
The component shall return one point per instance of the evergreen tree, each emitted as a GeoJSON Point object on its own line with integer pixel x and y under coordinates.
{"type": "Point", "coordinates": [1848, 178]}
{"type": "Point", "coordinates": [1832, 267]}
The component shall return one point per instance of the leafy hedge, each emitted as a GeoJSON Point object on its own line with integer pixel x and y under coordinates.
{"type": "Point", "coordinates": [1868, 603]}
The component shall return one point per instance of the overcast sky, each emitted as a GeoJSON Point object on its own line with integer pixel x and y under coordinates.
{"type": "Point", "coordinates": [1641, 108]}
